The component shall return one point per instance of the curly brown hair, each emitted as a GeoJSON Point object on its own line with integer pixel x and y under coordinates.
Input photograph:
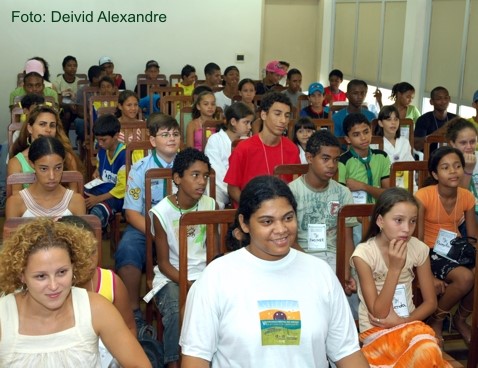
{"type": "Point", "coordinates": [45, 233]}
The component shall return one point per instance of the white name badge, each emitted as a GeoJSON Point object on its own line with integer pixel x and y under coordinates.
{"type": "Point", "coordinates": [405, 131]}
{"type": "Point", "coordinates": [399, 303]}
{"type": "Point", "coordinates": [442, 244]}
{"type": "Point", "coordinates": [317, 238]}
{"type": "Point", "coordinates": [360, 197]}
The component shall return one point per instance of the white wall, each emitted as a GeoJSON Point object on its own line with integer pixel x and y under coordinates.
{"type": "Point", "coordinates": [195, 32]}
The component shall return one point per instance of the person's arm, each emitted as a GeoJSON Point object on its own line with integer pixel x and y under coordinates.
{"type": "Point", "coordinates": [121, 302]}
{"type": "Point", "coordinates": [355, 185]}
{"type": "Point", "coordinates": [470, 162]}
{"type": "Point", "coordinates": [193, 362]}
{"type": "Point", "coordinates": [354, 360]}
{"type": "Point", "coordinates": [427, 289]}
{"type": "Point", "coordinates": [77, 205]}
{"type": "Point", "coordinates": [93, 200]}
{"type": "Point", "coordinates": [350, 285]}
{"type": "Point", "coordinates": [136, 219]}
{"type": "Point", "coordinates": [109, 325]}
{"type": "Point", "coordinates": [71, 165]}
{"type": "Point", "coordinates": [162, 251]}
{"type": "Point", "coordinates": [470, 221]}
{"type": "Point", "coordinates": [234, 192]}
{"type": "Point", "coordinates": [15, 207]}
{"type": "Point", "coordinates": [14, 166]}
{"type": "Point", "coordinates": [419, 133]}
{"type": "Point", "coordinates": [190, 133]}
{"type": "Point", "coordinates": [379, 304]}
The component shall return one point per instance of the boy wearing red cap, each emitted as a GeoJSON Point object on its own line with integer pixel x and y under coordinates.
{"type": "Point", "coordinates": [274, 72]}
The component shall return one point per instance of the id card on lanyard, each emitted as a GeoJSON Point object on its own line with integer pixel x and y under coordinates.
{"type": "Point", "coordinates": [317, 238]}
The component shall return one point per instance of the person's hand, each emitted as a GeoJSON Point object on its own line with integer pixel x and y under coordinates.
{"type": "Point", "coordinates": [329, 99]}
{"type": "Point", "coordinates": [470, 162]}
{"type": "Point", "coordinates": [350, 286]}
{"type": "Point", "coordinates": [96, 174]}
{"type": "Point", "coordinates": [91, 200]}
{"type": "Point", "coordinates": [397, 254]}
{"type": "Point", "coordinates": [440, 286]}
{"type": "Point", "coordinates": [354, 185]}
{"type": "Point", "coordinates": [393, 319]}
{"type": "Point", "coordinates": [378, 96]}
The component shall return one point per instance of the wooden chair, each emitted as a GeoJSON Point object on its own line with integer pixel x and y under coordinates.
{"type": "Point", "coordinates": [186, 110]}
{"type": "Point", "coordinates": [162, 92]}
{"type": "Point", "coordinates": [12, 223]}
{"type": "Point", "coordinates": [174, 78]}
{"type": "Point", "coordinates": [12, 128]}
{"type": "Point", "coordinates": [215, 243]}
{"type": "Point", "coordinates": [208, 128]}
{"type": "Point", "coordinates": [257, 101]}
{"type": "Point", "coordinates": [295, 170]}
{"type": "Point", "coordinates": [432, 139]}
{"type": "Point", "coordinates": [411, 167]}
{"type": "Point", "coordinates": [302, 101]}
{"type": "Point", "coordinates": [68, 177]}
{"type": "Point", "coordinates": [472, 351]}
{"type": "Point", "coordinates": [360, 211]}
{"type": "Point", "coordinates": [150, 83]}
{"type": "Point", "coordinates": [144, 76]}
{"type": "Point", "coordinates": [407, 129]}
{"type": "Point", "coordinates": [171, 104]}
{"type": "Point", "coordinates": [134, 131]}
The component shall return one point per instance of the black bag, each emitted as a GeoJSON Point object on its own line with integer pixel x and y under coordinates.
{"type": "Point", "coordinates": [463, 251]}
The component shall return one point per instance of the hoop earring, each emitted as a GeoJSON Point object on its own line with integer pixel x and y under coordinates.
{"type": "Point", "coordinates": [29, 140]}
{"type": "Point", "coordinates": [24, 288]}
{"type": "Point", "coordinates": [74, 280]}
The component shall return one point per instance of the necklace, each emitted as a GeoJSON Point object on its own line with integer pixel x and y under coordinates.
{"type": "Point", "coordinates": [179, 207]}
{"type": "Point", "coordinates": [265, 155]}
{"type": "Point", "coordinates": [436, 122]}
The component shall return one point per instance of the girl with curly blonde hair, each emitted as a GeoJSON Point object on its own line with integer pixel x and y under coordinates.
{"type": "Point", "coordinates": [50, 321]}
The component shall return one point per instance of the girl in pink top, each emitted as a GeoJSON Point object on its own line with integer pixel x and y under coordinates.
{"type": "Point", "coordinates": [203, 108]}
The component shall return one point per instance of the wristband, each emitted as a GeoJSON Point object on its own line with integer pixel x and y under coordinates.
{"type": "Point", "coordinates": [468, 173]}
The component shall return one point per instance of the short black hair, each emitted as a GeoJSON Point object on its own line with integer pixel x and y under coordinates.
{"type": "Point", "coordinates": [271, 97]}
{"type": "Point", "coordinates": [336, 73]}
{"type": "Point", "coordinates": [356, 82]}
{"type": "Point", "coordinates": [187, 70]}
{"type": "Point", "coordinates": [106, 125]}
{"type": "Point", "coordinates": [186, 158]}
{"type": "Point", "coordinates": [31, 99]}
{"type": "Point", "coordinates": [67, 59]}
{"type": "Point", "coordinates": [436, 90]}
{"type": "Point", "coordinates": [94, 72]}
{"type": "Point", "coordinates": [293, 71]}
{"type": "Point", "coordinates": [44, 146]}
{"type": "Point", "coordinates": [210, 68]}
{"type": "Point", "coordinates": [354, 119]}
{"type": "Point", "coordinates": [107, 79]}
{"type": "Point", "coordinates": [321, 138]}
{"type": "Point", "coordinates": [200, 89]}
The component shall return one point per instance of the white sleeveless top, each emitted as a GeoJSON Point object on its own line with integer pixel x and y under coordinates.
{"type": "Point", "coordinates": [35, 210]}
{"type": "Point", "coordinates": [74, 347]}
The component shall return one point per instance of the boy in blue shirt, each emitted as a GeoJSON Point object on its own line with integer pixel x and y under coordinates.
{"type": "Point", "coordinates": [106, 197]}
{"type": "Point", "coordinates": [130, 257]}
{"type": "Point", "coordinates": [356, 93]}
{"type": "Point", "coordinates": [363, 170]}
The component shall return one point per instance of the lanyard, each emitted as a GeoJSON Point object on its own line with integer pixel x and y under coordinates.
{"type": "Point", "coordinates": [156, 161]}
{"type": "Point", "coordinates": [366, 163]}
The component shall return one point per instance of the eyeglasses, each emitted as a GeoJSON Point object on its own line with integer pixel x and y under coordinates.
{"type": "Point", "coordinates": [167, 135]}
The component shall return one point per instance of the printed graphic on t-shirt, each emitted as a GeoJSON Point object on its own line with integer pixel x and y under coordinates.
{"type": "Point", "coordinates": [280, 322]}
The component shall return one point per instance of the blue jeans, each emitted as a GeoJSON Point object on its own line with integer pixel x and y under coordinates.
{"type": "Point", "coordinates": [167, 301]}
{"type": "Point", "coordinates": [131, 249]}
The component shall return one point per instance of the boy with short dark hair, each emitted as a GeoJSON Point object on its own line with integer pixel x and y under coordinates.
{"type": "Point", "coordinates": [152, 71]}
{"type": "Point", "coordinates": [433, 120]}
{"type": "Point", "coordinates": [191, 170]}
{"type": "Point", "coordinates": [356, 93]}
{"type": "Point", "coordinates": [319, 198]}
{"type": "Point", "coordinates": [363, 170]}
{"type": "Point", "coordinates": [333, 93]}
{"type": "Point", "coordinates": [105, 198]}
{"type": "Point", "coordinates": [130, 257]}
{"type": "Point", "coordinates": [188, 79]}
{"type": "Point", "coordinates": [212, 72]}
{"type": "Point", "coordinates": [294, 90]}
{"type": "Point", "coordinates": [261, 153]}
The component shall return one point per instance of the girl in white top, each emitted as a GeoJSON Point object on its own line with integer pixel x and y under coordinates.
{"type": "Point", "coordinates": [239, 118]}
{"type": "Point", "coordinates": [46, 196]}
{"type": "Point", "coordinates": [397, 147]}
{"type": "Point", "coordinates": [231, 80]}
{"type": "Point", "coordinates": [46, 321]}
{"type": "Point", "coordinates": [303, 129]}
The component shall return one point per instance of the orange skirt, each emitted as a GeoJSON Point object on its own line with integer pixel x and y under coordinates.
{"type": "Point", "coordinates": [407, 345]}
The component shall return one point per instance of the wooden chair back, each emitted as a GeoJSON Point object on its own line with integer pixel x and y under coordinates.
{"type": "Point", "coordinates": [134, 131]}
{"type": "Point", "coordinates": [407, 130]}
{"type": "Point", "coordinates": [432, 139]}
{"type": "Point", "coordinates": [360, 211]}
{"type": "Point", "coordinates": [209, 128]}
{"type": "Point", "coordinates": [411, 167]}
{"type": "Point", "coordinates": [295, 170]}
{"type": "Point", "coordinates": [12, 128]}
{"type": "Point", "coordinates": [174, 79]}
{"type": "Point", "coordinates": [143, 145]}
{"type": "Point", "coordinates": [216, 222]}
{"type": "Point", "coordinates": [257, 100]}
{"type": "Point", "coordinates": [171, 104]}
{"type": "Point", "coordinates": [144, 76]}
{"type": "Point", "coordinates": [183, 112]}
{"type": "Point", "coordinates": [150, 83]}
{"type": "Point", "coordinates": [302, 101]}
{"type": "Point", "coordinates": [68, 177]}
{"type": "Point", "coordinates": [11, 224]}
{"type": "Point", "coordinates": [162, 92]}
